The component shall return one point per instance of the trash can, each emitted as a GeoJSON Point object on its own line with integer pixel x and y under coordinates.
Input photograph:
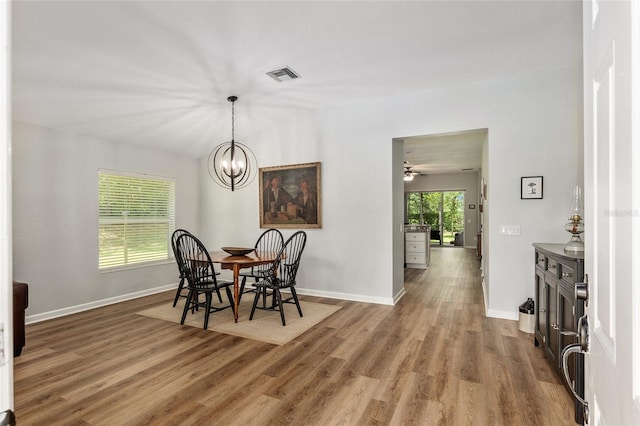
{"type": "Point", "coordinates": [527, 317]}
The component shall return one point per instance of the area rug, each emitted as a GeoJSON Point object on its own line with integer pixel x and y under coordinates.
{"type": "Point", "coordinates": [265, 326]}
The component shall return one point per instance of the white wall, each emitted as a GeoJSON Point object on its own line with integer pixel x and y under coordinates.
{"type": "Point", "coordinates": [533, 125]}
{"type": "Point", "coordinates": [545, 143]}
{"type": "Point", "coordinates": [347, 258]}
{"type": "Point", "coordinates": [55, 217]}
{"type": "Point", "coordinates": [467, 182]}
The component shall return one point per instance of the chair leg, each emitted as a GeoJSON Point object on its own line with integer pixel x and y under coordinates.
{"type": "Point", "coordinates": [255, 301]}
{"type": "Point", "coordinates": [186, 307]}
{"type": "Point", "coordinates": [207, 311]}
{"type": "Point", "coordinates": [278, 297]}
{"type": "Point", "coordinates": [264, 299]}
{"type": "Point", "coordinates": [230, 297]}
{"type": "Point", "coordinates": [195, 302]}
{"type": "Point", "coordinates": [219, 296]}
{"type": "Point", "coordinates": [295, 299]}
{"type": "Point", "coordinates": [180, 286]}
{"type": "Point", "coordinates": [244, 281]}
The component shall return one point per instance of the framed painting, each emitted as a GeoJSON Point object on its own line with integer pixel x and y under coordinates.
{"type": "Point", "coordinates": [531, 188]}
{"type": "Point", "coordinates": [290, 196]}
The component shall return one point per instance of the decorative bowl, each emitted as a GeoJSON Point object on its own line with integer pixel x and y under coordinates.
{"type": "Point", "coordinates": [238, 251]}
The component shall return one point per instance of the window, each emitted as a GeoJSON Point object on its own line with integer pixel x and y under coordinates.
{"type": "Point", "coordinates": [137, 218]}
{"type": "Point", "coordinates": [444, 211]}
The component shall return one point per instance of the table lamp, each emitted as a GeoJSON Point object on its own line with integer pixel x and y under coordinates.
{"type": "Point", "coordinates": [575, 226]}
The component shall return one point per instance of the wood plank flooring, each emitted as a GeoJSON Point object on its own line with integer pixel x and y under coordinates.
{"type": "Point", "coordinates": [433, 359]}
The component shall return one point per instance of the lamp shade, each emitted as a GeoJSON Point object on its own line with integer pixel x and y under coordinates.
{"type": "Point", "coordinates": [577, 202]}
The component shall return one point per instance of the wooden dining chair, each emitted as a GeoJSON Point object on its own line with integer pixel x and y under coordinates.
{"type": "Point", "coordinates": [201, 278]}
{"type": "Point", "coordinates": [181, 288]}
{"type": "Point", "coordinates": [174, 239]}
{"type": "Point", "coordinates": [281, 275]}
{"type": "Point", "coordinates": [270, 240]}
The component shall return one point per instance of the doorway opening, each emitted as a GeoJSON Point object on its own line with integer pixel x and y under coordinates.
{"type": "Point", "coordinates": [443, 211]}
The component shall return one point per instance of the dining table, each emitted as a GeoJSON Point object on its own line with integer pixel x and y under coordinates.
{"type": "Point", "coordinates": [236, 263]}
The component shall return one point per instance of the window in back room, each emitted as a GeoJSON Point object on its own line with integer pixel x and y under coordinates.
{"type": "Point", "coordinates": [442, 210]}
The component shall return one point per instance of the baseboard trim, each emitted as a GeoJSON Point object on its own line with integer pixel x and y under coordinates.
{"type": "Point", "coordinates": [350, 297]}
{"type": "Point", "coordinates": [493, 313]}
{"type": "Point", "coordinates": [484, 296]}
{"type": "Point", "coordinates": [32, 319]}
{"type": "Point", "coordinates": [399, 296]}
{"type": "Point", "coordinates": [507, 315]}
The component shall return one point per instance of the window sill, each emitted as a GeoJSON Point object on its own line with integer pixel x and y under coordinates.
{"type": "Point", "coordinates": [136, 266]}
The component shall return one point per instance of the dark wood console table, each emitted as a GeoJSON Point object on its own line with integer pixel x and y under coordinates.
{"type": "Point", "coordinates": [557, 310]}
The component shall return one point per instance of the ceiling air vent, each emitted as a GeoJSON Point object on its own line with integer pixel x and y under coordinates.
{"type": "Point", "coordinates": [283, 74]}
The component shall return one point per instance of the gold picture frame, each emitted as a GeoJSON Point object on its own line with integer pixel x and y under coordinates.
{"type": "Point", "coordinates": [290, 196]}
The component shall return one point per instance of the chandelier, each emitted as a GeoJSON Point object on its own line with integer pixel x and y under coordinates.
{"type": "Point", "coordinates": [232, 165]}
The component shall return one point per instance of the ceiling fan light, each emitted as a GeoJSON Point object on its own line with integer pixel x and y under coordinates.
{"type": "Point", "coordinates": [408, 174]}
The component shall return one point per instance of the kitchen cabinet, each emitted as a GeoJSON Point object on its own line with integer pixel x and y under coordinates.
{"type": "Point", "coordinates": [416, 247]}
{"type": "Point", "coordinates": [557, 309]}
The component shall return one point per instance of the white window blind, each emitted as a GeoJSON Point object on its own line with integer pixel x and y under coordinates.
{"type": "Point", "coordinates": [137, 218]}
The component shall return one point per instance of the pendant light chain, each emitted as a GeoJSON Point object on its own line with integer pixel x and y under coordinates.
{"type": "Point", "coordinates": [232, 165]}
{"type": "Point", "coordinates": [233, 120]}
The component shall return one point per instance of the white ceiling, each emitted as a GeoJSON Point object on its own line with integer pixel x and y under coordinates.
{"type": "Point", "coordinates": [159, 73]}
{"type": "Point", "coordinates": [445, 153]}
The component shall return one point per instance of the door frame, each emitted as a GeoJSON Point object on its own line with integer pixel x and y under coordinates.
{"type": "Point", "coordinates": [6, 318]}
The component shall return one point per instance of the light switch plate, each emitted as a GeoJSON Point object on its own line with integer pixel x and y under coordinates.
{"type": "Point", "coordinates": [509, 230]}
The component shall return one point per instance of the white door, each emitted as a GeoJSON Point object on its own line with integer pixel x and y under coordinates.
{"type": "Point", "coordinates": [6, 355]}
{"type": "Point", "coordinates": [612, 206]}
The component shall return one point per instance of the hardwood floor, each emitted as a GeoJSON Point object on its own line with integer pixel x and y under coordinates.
{"type": "Point", "coordinates": [433, 359]}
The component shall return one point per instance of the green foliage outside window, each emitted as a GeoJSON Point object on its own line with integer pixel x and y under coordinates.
{"type": "Point", "coordinates": [136, 219]}
{"type": "Point", "coordinates": [430, 208]}
{"type": "Point", "coordinates": [453, 211]}
{"type": "Point", "coordinates": [413, 208]}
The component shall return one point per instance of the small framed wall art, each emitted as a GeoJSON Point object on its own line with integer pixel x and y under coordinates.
{"type": "Point", "coordinates": [531, 188]}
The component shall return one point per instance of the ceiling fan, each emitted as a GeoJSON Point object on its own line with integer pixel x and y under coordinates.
{"type": "Point", "coordinates": [408, 174]}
